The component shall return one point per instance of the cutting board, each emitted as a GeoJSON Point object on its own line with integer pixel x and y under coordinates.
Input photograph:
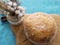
{"type": "Point", "coordinates": [20, 36]}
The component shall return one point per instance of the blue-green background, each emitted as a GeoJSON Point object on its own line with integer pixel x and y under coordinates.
{"type": "Point", "coordinates": [48, 6]}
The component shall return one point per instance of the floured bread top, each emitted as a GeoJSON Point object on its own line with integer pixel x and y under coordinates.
{"type": "Point", "coordinates": [39, 28]}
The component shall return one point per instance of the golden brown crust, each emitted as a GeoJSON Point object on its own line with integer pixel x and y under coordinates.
{"type": "Point", "coordinates": [39, 28]}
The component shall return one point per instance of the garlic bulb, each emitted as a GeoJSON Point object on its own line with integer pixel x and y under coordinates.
{"type": "Point", "coordinates": [12, 9]}
{"type": "Point", "coordinates": [17, 11]}
{"type": "Point", "coordinates": [14, 4]}
{"type": "Point", "coordinates": [9, 7]}
{"type": "Point", "coordinates": [21, 8]}
{"type": "Point", "coordinates": [10, 3]}
{"type": "Point", "coordinates": [20, 15]}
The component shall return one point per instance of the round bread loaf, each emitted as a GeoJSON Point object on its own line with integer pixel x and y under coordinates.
{"type": "Point", "coordinates": [39, 28]}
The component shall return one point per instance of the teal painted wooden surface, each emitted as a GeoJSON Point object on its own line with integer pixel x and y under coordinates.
{"type": "Point", "coordinates": [48, 6]}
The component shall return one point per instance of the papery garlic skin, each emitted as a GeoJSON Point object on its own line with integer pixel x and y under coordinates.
{"type": "Point", "coordinates": [14, 4]}
{"type": "Point", "coordinates": [20, 11]}
{"type": "Point", "coordinates": [10, 3]}
{"type": "Point", "coordinates": [20, 15]}
{"type": "Point", "coordinates": [17, 10]}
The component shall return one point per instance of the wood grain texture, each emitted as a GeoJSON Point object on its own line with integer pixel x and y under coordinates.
{"type": "Point", "coordinates": [21, 39]}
